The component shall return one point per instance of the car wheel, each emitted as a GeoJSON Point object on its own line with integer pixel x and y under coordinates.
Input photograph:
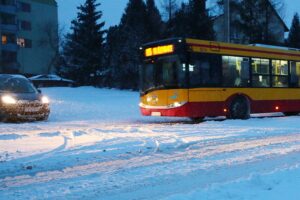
{"type": "Point", "coordinates": [3, 117]}
{"type": "Point", "coordinates": [239, 108]}
{"type": "Point", "coordinates": [45, 118]}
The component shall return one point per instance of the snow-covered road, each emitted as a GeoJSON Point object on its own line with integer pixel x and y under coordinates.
{"type": "Point", "coordinates": [97, 146]}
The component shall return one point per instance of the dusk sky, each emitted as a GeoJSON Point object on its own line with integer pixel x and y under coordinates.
{"type": "Point", "coordinates": [113, 10]}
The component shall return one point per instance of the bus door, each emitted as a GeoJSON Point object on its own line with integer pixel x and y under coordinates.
{"type": "Point", "coordinates": [204, 82]}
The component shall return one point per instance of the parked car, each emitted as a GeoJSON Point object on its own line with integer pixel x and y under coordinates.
{"type": "Point", "coordinates": [51, 80]}
{"type": "Point", "coordinates": [21, 100]}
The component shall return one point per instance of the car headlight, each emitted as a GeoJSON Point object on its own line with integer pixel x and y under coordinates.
{"type": "Point", "coordinates": [45, 100]}
{"type": "Point", "coordinates": [8, 100]}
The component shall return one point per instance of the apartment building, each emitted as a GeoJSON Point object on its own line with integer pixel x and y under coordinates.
{"type": "Point", "coordinates": [29, 36]}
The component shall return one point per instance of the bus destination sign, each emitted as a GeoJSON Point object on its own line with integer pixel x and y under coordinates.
{"type": "Point", "coordinates": [159, 50]}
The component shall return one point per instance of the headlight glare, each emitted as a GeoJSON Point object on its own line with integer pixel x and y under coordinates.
{"type": "Point", "coordinates": [8, 100]}
{"type": "Point", "coordinates": [45, 100]}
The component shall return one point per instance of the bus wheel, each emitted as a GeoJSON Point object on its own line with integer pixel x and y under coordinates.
{"type": "Point", "coordinates": [239, 108]}
{"type": "Point", "coordinates": [290, 113]}
{"type": "Point", "coordinates": [197, 119]}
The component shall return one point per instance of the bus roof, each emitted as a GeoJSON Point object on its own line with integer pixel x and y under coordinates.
{"type": "Point", "coordinates": [202, 46]}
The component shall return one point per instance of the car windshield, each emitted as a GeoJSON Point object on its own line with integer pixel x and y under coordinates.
{"type": "Point", "coordinates": [16, 85]}
{"type": "Point", "coordinates": [164, 72]}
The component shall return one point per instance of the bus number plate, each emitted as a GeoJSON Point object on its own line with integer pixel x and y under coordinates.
{"type": "Point", "coordinates": [156, 114]}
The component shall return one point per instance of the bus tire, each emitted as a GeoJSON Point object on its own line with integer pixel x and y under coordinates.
{"type": "Point", "coordinates": [239, 108]}
{"type": "Point", "coordinates": [291, 113]}
{"type": "Point", "coordinates": [197, 119]}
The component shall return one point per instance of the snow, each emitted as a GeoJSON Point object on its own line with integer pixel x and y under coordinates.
{"type": "Point", "coordinates": [96, 145]}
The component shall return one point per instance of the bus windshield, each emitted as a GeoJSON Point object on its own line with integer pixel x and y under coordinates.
{"type": "Point", "coordinates": [163, 72]}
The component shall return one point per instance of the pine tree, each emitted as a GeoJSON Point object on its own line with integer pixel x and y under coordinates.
{"type": "Point", "coordinates": [111, 57]}
{"type": "Point", "coordinates": [294, 35]}
{"type": "Point", "coordinates": [132, 33]}
{"type": "Point", "coordinates": [154, 23]}
{"type": "Point", "coordinates": [200, 23]}
{"type": "Point", "coordinates": [170, 8]}
{"type": "Point", "coordinates": [83, 50]}
{"type": "Point", "coordinates": [193, 20]}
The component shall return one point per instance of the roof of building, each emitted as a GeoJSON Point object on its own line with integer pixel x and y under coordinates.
{"type": "Point", "coordinates": [274, 11]}
{"type": "Point", "coordinates": [50, 2]}
{"type": "Point", "coordinates": [277, 14]}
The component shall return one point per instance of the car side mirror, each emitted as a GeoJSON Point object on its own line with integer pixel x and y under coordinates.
{"type": "Point", "coordinates": [39, 91]}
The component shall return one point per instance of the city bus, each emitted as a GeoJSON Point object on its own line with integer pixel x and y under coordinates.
{"type": "Point", "coordinates": [196, 79]}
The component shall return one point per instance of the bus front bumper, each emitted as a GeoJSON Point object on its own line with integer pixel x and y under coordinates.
{"type": "Point", "coordinates": [188, 109]}
{"type": "Point", "coordinates": [174, 110]}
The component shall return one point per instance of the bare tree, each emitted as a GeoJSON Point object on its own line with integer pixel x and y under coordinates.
{"type": "Point", "coordinates": [169, 8]}
{"type": "Point", "coordinates": [52, 39]}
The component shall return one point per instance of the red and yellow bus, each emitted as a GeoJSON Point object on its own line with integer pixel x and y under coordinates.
{"type": "Point", "coordinates": [196, 78]}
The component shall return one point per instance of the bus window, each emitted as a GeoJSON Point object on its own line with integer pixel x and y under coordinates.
{"type": "Point", "coordinates": [204, 70]}
{"type": "Point", "coordinates": [163, 72]}
{"type": "Point", "coordinates": [235, 71]}
{"type": "Point", "coordinates": [170, 72]}
{"type": "Point", "coordinates": [280, 71]}
{"type": "Point", "coordinates": [295, 74]}
{"type": "Point", "coordinates": [260, 72]}
{"type": "Point", "coordinates": [148, 77]}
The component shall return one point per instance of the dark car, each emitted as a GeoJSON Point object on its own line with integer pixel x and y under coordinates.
{"type": "Point", "coordinates": [51, 80]}
{"type": "Point", "coordinates": [20, 100]}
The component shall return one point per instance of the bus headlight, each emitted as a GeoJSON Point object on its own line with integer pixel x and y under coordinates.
{"type": "Point", "coordinates": [177, 104]}
{"type": "Point", "coordinates": [45, 100]}
{"type": "Point", "coordinates": [7, 99]}
{"type": "Point", "coordinates": [152, 99]}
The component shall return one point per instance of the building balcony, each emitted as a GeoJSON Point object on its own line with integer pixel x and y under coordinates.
{"type": "Point", "coordinates": [10, 67]}
{"type": "Point", "coordinates": [11, 28]}
{"type": "Point", "coordinates": [8, 9]}
{"type": "Point", "coordinates": [12, 47]}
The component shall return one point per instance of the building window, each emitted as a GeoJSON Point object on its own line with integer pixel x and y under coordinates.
{"type": "Point", "coordinates": [280, 71]}
{"type": "Point", "coordinates": [8, 39]}
{"type": "Point", "coordinates": [295, 74]}
{"type": "Point", "coordinates": [25, 25]}
{"type": "Point", "coordinates": [25, 7]}
{"type": "Point", "coordinates": [235, 71]}
{"type": "Point", "coordinates": [4, 39]}
{"type": "Point", "coordinates": [24, 43]}
{"type": "Point", "coordinates": [260, 72]}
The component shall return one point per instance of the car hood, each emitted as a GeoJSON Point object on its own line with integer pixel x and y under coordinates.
{"type": "Point", "coordinates": [50, 79]}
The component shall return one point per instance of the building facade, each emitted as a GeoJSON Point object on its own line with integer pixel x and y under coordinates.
{"type": "Point", "coordinates": [227, 29]}
{"type": "Point", "coordinates": [29, 36]}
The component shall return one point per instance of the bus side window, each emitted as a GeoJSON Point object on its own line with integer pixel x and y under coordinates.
{"type": "Point", "coordinates": [280, 73]}
{"type": "Point", "coordinates": [204, 70]}
{"type": "Point", "coordinates": [260, 72]}
{"type": "Point", "coordinates": [235, 71]}
{"type": "Point", "coordinates": [295, 74]}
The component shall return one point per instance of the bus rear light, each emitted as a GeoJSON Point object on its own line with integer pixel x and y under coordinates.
{"type": "Point", "coordinates": [225, 110]}
{"type": "Point", "coordinates": [277, 108]}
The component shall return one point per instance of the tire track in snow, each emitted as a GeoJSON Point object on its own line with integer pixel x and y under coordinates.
{"type": "Point", "coordinates": [265, 147]}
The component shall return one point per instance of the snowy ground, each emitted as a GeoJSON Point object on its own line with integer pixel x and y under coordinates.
{"type": "Point", "coordinates": [97, 146]}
